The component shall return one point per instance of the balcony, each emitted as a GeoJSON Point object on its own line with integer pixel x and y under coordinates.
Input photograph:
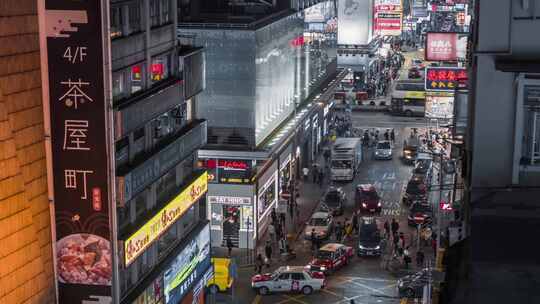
{"type": "Point", "coordinates": [132, 179]}
{"type": "Point", "coordinates": [135, 111]}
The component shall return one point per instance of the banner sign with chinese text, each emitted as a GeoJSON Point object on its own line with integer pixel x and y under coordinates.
{"type": "Point", "coordinates": [446, 46]}
{"type": "Point", "coordinates": [164, 219]}
{"type": "Point", "coordinates": [444, 78]}
{"type": "Point", "coordinates": [387, 17]}
{"type": "Point", "coordinates": [79, 123]}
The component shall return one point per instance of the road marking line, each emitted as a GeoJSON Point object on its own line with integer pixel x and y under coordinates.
{"type": "Point", "coordinates": [295, 299]}
{"type": "Point", "coordinates": [364, 278]}
{"type": "Point", "coordinates": [256, 300]}
{"type": "Point", "coordinates": [388, 286]}
{"type": "Point", "coordinates": [331, 292]}
{"type": "Point", "coordinates": [368, 287]}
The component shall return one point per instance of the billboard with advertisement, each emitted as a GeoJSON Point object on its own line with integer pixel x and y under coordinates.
{"type": "Point", "coordinates": [387, 17]}
{"type": "Point", "coordinates": [188, 267]}
{"type": "Point", "coordinates": [229, 171]}
{"type": "Point", "coordinates": [446, 46]}
{"type": "Point", "coordinates": [76, 43]}
{"type": "Point", "coordinates": [439, 106]}
{"type": "Point", "coordinates": [444, 78]}
{"type": "Point", "coordinates": [168, 215]}
{"type": "Point", "coordinates": [354, 21]}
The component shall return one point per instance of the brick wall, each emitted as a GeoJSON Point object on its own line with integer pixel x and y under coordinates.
{"type": "Point", "coordinates": [26, 267]}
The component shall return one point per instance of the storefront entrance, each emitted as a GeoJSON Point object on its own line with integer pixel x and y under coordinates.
{"type": "Point", "coordinates": [231, 224]}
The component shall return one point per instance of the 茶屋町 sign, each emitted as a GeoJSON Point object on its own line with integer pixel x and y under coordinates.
{"type": "Point", "coordinates": [168, 215]}
{"type": "Point", "coordinates": [76, 73]}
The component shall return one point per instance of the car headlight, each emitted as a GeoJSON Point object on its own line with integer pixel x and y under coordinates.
{"type": "Point", "coordinates": [377, 248]}
{"type": "Point", "coordinates": [379, 204]}
{"type": "Point", "coordinates": [361, 247]}
{"type": "Point", "coordinates": [364, 205]}
{"type": "Point", "coordinates": [323, 268]}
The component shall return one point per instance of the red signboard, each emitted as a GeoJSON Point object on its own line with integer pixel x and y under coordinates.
{"type": "Point", "coordinates": [441, 47]}
{"type": "Point", "coordinates": [444, 79]}
{"type": "Point", "coordinates": [387, 18]}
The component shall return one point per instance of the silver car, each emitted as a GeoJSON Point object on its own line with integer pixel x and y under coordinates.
{"type": "Point", "coordinates": [383, 150]}
{"type": "Point", "coordinates": [321, 223]}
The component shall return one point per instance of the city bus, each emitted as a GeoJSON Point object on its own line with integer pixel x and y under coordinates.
{"type": "Point", "coordinates": [408, 98]}
{"type": "Point", "coordinates": [408, 106]}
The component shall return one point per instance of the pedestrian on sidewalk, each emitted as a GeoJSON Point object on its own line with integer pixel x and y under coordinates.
{"type": "Point", "coordinates": [396, 243]}
{"type": "Point", "coordinates": [338, 231]}
{"type": "Point", "coordinates": [386, 229]}
{"type": "Point", "coordinates": [313, 239]}
{"type": "Point", "coordinates": [402, 239]}
{"type": "Point", "coordinates": [406, 257]}
{"type": "Point", "coordinates": [305, 172]}
{"type": "Point", "coordinates": [272, 232]}
{"type": "Point", "coordinates": [290, 208]}
{"type": "Point", "coordinates": [321, 177]}
{"type": "Point", "coordinates": [268, 253]}
{"type": "Point", "coordinates": [282, 220]}
{"type": "Point", "coordinates": [392, 136]}
{"type": "Point", "coordinates": [395, 227]}
{"type": "Point", "coordinates": [229, 246]}
{"type": "Point", "coordinates": [273, 215]}
{"type": "Point", "coordinates": [315, 173]}
{"type": "Point", "coordinates": [355, 222]}
{"type": "Point", "coordinates": [386, 135]}
{"type": "Point", "coordinates": [259, 263]}
{"type": "Point", "coordinates": [348, 230]}
{"type": "Point", "coordinates": [282, 245]}
{"type": "Point", "coordinates": [420, 259]}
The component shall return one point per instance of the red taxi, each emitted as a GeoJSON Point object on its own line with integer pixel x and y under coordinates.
{"type": "Point", "coordinates": [330, 257]}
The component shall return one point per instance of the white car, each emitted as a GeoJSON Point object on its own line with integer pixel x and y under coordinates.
{"type": "Point", "coordinates": [289, 278]}
{"type": "Point", "coordinates": [383, 150]}
{"type": "Point", "coordinates": [320, 222]}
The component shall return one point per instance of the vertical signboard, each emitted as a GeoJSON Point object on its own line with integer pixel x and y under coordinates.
{"type": "Point", "coordinates": [354, 22]}
{"type": "Point", "coordinates": [72, 39]}
{"type": "Point", "coordinates": [387, 17]}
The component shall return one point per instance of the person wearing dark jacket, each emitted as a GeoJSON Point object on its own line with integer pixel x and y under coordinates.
{"type": "Point", "coordinates": [229, 246]}
{"type": "Point", "coordinates": [395, 226]}
{"type": "Point", "coordinates": [268, 253]}
{"type": "Point", "coordinates": [259, 263]}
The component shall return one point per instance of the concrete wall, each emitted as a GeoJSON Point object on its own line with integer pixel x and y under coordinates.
{"type": "Point", "coordinates": [493, 125]}
{"type": "Point", "coordinates": [26, 267]}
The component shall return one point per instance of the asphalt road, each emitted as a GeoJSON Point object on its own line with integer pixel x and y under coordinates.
{"type": "Point", "coordinates": [363, 279]}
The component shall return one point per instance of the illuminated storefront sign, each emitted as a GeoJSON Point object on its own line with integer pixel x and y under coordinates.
{"type": "Point", "coordinates": [444, 79]}
{"type": "Point", "coordinates": [167, 216]}
{"type": "Point", "coordinates": [229, 171]}
{"type": "Point", "coordinates": [190, 265]}
{"type": "Point", "coordinates": [446, 46]}
{"type": "Point", "coordinates": [229, 200]}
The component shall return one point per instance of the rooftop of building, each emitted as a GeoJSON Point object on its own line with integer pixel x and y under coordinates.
{"type": "Point", "coordinates": [227, 20]}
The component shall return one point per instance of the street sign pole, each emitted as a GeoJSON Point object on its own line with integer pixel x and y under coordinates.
{"type": "Point", "coordinates": [248, 253]}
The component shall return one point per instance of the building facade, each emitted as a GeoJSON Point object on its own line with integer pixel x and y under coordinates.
{"type": "Point", "coordinates": [263, 77]}
{"type": "Point", "coordinates": [501, 158]}
{"type": "Point", "coordinates": [155, 83]}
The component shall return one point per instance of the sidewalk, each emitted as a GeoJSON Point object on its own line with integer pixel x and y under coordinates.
{"type": "Point", "coordinates": [308, 201]}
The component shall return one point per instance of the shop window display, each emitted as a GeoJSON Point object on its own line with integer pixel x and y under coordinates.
{"type": "Point", "coordinates": [267, 198]}
{"type": "Point", "coordinates": [231, 224]}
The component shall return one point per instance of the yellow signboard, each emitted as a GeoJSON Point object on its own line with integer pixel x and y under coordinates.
{"type": "Point", "coordinates": [415, 94]}
{"type": "Point", "coordinates": [167, 216]}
